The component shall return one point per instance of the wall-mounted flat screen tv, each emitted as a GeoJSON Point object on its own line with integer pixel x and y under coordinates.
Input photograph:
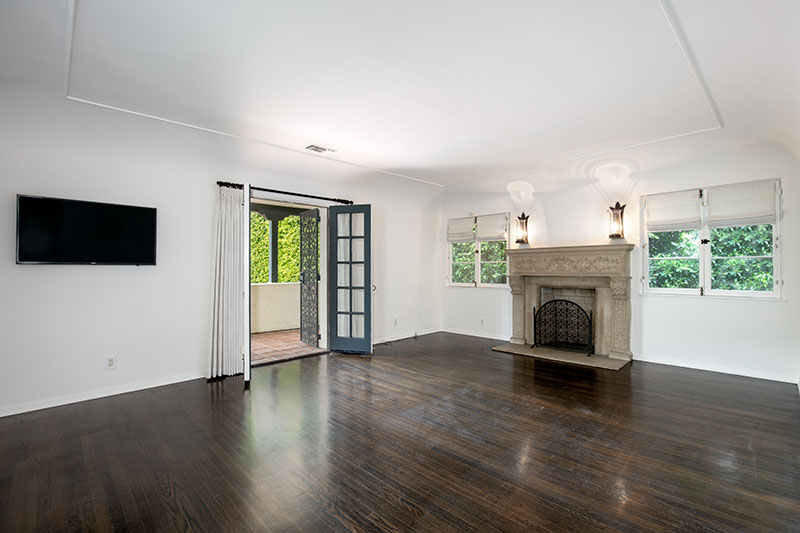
{"type": "Point", "coordinates": [59, 231]}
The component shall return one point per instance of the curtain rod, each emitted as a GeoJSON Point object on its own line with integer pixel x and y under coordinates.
{"type": "Point", "coordinates": [240, 186]}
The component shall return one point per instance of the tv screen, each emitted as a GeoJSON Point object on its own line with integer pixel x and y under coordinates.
{"type": "Point", "coordinates": [53, 230]}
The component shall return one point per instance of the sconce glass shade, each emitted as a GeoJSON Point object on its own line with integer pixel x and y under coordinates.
{"type": "Point", "coordinates": [522, 229]}
{"type": "Point", "coordinates": [616, 228]}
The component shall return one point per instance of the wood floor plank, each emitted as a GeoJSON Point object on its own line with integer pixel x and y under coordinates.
{"type": "Point", "coordinates": [437, 433]}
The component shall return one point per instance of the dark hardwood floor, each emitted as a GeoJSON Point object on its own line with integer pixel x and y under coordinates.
{"type": "Point", "coordinates": [433, 434]}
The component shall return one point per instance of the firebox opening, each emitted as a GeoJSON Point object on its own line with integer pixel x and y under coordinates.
{"type": "Point", "coordinates": [565, 320]}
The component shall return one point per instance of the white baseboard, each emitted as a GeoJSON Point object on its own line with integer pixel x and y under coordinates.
{"type": "Point", "coordinates": [56, 401]}
{"type": "Point", "coordinates": [482, 334]}
{"type": "Point", "coordinates": [671, 361]}
{"type": "Point", "coordinates": [66, 399]}
{"type": "Point", "coordinates": [407, 335]}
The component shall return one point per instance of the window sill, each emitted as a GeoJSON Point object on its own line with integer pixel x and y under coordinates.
{"type": "Point", "coordinates": [715, 297]}
{"type": "Point", "coordinates": [471, 286]}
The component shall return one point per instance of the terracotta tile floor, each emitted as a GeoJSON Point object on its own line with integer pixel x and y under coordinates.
{"type": "Point", "coordinates": [277, 346]}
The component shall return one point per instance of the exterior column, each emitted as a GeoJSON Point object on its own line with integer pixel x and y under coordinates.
{"type": "Point", "coordinates": [517, 309]}
{"type": "Point", "coordinates": [273, 251]}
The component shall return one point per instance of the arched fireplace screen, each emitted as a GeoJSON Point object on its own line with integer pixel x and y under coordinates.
{"type": "Point", "coordinates": [563, 324]}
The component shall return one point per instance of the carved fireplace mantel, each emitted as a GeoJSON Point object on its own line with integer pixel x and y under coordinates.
{"type": "Point", "coordinates": [604, 268]}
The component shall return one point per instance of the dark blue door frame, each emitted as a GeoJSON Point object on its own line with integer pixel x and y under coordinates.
{"type": "Point", "coordinates": [350, 280]}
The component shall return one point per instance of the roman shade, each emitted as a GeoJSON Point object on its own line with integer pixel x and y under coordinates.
{"type": "Point", "coordinates": [461, 229]}
{"type": "Point", "coordinates": [672, 211]}
{"type": "Point", "coordinates": [741, 204]}
{"type": "Point", "coordinates": [492, 227]}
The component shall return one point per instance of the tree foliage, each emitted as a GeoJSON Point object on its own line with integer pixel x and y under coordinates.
{"type": "Point", "coordinates": [492, 259]}
{"type": "Point", "coordinates": [493, 266]}
{"type": "Point", "coordinates": [288, 249]}
{"type": "Point", "coordinates": [463, 260]}
{"type": "Point", "coordinates": [668, 273]}
{"type": "Point", "coordinates": [737, 261]}
{"type": "Point", "coordinates": [735, 264]}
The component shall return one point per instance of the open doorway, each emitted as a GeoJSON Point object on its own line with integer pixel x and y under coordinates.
{"type": "Point", "coordinates": [287, 286]}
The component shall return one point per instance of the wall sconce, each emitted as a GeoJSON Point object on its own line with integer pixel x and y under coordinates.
{"type": "Point", "coordinates": [616, 228]}
{"type": "Point", "coordinates": [522, 229]}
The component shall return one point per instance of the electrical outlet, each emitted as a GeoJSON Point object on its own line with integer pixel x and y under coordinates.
{"type": "Point", "coordinates": [395, 322]}
{"type": "Point", "coordinates": [111, 362]}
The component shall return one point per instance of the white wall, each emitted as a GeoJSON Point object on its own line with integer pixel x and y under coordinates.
{"type": "Point", "coordinates": [752, 338]}
{"type": "Point", "coordinates": [274, 306]}
{"type": "Point", "coordinates": [58, 323]}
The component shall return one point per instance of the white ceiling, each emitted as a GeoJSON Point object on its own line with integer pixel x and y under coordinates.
{"type": "Point", "coordinates": [445, 91]}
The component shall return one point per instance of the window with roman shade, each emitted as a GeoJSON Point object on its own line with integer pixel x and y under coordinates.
{"type": "Point", "coordinates": [722, 240]}
{"type": "Point", "coordinates": [478, 250]}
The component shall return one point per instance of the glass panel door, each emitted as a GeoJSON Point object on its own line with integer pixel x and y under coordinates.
{"type": "Point", "coordinates": [350, 290]}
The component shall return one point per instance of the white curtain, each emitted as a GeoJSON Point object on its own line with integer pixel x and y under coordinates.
{"type": "Point", "coordinates": [229, 313]}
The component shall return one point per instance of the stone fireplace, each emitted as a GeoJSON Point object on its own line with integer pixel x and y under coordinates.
{"type": "Point", "coordinates": [595, 277]}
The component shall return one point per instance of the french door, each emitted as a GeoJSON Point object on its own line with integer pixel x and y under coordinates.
{"type": "Point", "coordinates": [350, 297]}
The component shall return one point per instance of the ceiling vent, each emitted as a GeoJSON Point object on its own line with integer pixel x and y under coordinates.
{"type": "Point", "coordinates": [319, 149]}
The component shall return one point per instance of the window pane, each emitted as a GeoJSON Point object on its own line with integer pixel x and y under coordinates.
{"type": "Point", "coordinates": [675, 274]}
{"type": "Point", "coordinates": [358, 224]}
{"type": "Point", "coordinates": [343, 300]}
{"type": "Point", "coordinates": [736, 241]}
{"type": "Point", "coordinates": [493, 251]}
{"type": "Point", "coordinates": [342, 325]}
{"type": "Point", "coordinates": [358, 300]}
{"type": "Point", "coordinates": [674, 244]}
{"type": "Point", "coordinates": [358, 275]}
{"type": "Point", "coordinates": [742, 274]}
{"type": "Point", "coordinates": [358, 249]}
{"type": "Point", "coordinates": [463, 273]}
{"type": "Point", "coordinates": [358, 326]}
{"type": "Point", "coordinates": [344, 276]}
{"type": "Point", "coordinates": [344, 250]}
{"type": "Point", "coordinates": [463, 252]}
{"type": "Point", "coordinates": [343, 224]}
{"type": "Point", "coordinates": [493, 272]}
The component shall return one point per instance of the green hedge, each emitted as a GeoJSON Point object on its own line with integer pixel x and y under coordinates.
{"type": "Point", "coordinates": [259, 249]}
{"type": "Point", "coordinates": [288, 249]}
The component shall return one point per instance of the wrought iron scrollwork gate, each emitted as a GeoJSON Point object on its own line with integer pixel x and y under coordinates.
{"type": "Point", "coordinates": [563, 324]}
{"type": "Point", "coordinates": [309, 277]}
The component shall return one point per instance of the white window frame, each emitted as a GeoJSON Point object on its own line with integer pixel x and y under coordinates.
{"type": "Point", "coordinates": [450, 282]}
{"type": "Point", "coordinates": [705, 256]}
{"type": "Point", "coordinates": [646, 266]}
{"type": "Point", "coordinates": [477, 260]}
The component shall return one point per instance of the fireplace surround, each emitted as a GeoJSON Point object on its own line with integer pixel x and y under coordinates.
{"type": "Point", "coordinates": [603, 269]}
